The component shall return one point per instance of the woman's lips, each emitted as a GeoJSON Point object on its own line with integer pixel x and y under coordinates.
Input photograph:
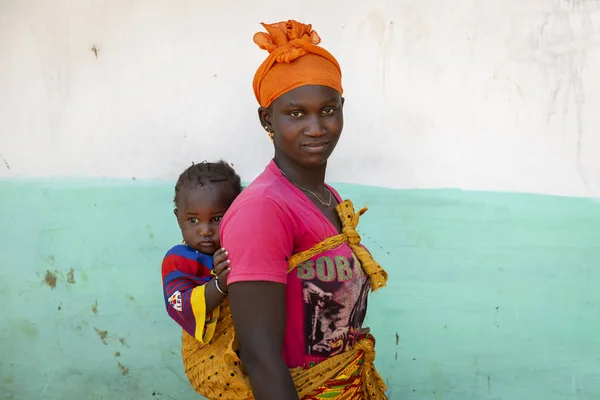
{"type": "Point", "coordinates": [316, 147]}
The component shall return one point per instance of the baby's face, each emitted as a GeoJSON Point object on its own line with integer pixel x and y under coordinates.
{"type": "Point", "coordinates": [199, 215]}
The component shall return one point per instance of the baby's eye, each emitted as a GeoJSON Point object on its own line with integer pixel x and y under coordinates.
{"type": "Point", "coordinates": [193, 220]}
{"type": "Point", "coordinates": [217, 219]}
{"type": "Point", "coordinates": [296, 114]}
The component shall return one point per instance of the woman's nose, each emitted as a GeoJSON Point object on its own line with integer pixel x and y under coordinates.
{"type": "Point", "coordinates": [315, 127]}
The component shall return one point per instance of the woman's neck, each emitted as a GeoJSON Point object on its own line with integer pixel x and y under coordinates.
{"type": "Point", "coordinates": [311, 178]}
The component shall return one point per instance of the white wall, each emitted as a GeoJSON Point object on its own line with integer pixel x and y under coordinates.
{"type": "Point", "coordinates": [473, 94]}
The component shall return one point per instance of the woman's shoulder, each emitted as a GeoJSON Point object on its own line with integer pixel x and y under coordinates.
{"type": "Point", "coordinates": [268, 188]}
{"type": "Point", "coordinates": [266, 197]}
{"type": "Point", "coordinates": [260, 207]}
{"type": "Point", "coordinates": [260, 194]}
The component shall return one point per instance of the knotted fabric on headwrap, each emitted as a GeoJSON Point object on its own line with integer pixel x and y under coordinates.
{"type": "Point", "coordinates": [294, 60]}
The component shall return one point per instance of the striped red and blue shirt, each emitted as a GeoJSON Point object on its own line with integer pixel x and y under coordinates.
{"type": "Point", "coordinates": [185, 271]}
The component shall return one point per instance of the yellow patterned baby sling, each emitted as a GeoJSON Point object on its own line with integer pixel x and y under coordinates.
{"type": "Point", "coordinates": [215, 370]}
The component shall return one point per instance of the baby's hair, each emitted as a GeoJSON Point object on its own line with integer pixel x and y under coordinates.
{"type": "Point", "coordinates": [208, 173]}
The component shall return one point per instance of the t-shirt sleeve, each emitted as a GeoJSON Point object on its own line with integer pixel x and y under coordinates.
{"type": "Point", "coordinates": [184, 297]}
{"type": "Point", "coordinates": [258, 235]}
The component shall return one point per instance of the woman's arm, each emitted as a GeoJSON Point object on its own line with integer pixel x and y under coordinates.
{"type": "Point", "coordinates": [258, 312]}
{"type": "Point", "coordinates": [259, 229]}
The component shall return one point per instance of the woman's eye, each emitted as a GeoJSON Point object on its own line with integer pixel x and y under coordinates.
{"type": "Point", "coordinates": [296, 114]}
{"type": "Point", "coordinates": [329, 111]}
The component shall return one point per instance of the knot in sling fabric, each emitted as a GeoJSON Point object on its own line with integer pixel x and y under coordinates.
{"type": "Point", "coordinates": [377, 275]}
{"type": "Point", "coordinates": [294, 60]}
{"type": "Point", "coordinates": [215, 370]}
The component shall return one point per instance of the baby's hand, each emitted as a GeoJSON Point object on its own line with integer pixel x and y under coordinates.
{"type": "Point", "coordinates": [221, 267]}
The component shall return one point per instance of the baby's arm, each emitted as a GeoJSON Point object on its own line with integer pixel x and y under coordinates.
{"type": "Point", "coordinates": [216, 289]}
{"type": "Point", "coordinates": [186, 297]}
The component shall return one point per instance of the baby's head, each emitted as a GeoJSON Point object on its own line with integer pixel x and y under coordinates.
{"type": "Point", "coordinates": [202, 195]}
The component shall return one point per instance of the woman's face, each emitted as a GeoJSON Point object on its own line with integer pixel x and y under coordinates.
{"type": "Point", "coordinates": [306, 122]}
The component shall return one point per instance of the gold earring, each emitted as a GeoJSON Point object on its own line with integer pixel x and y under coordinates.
{"type": "Point", "coordinates": [269, 133]}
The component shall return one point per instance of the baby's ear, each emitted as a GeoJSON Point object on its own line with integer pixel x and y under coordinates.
{"type": "Point", "coordinates": [176, 212]}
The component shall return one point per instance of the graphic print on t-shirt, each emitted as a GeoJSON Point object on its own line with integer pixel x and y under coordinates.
{"type": "Point", "coordinates": [335, 290]}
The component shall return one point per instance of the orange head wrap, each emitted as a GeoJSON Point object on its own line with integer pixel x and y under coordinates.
{"type": "Point", "coordinates": [294, 60]}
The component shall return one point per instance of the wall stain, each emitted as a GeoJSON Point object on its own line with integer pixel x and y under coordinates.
{"type": "Point", "coordinates": [117, 354]}
{"type": "Point", "coordinates": [95, 307]}
{"type": "Point", "coordinates": [123, 342]}
{"type": "Point", "coordinates": [124, 370]}
{"type": "Point", "coordinates": [50, 279]}
{"type": "Point", "coordinates": [102, 334]}
{"type": "Point", "coordinates": [5, 162]}
{"type": "Point", "coordinates": [79, 326]}
{"type": "Point", "coordinates": [150, 232]}
{"type": "Point", "coordinates": [71, 276]}
{"type": "Point", "coordinates": [397, 339]}
{"type": "Point", "coordinates": [382, 33]}
{"type": "Point", "coordinates": [558, 45]}
{"type": "Point", "coordinates": [496, 317]}
{"type": "Point", "coordinates": [162, 395]}
{"type": "Point", "coordinates": [437, 380]}
{"type": "Point", "coordinates": [28, 328]}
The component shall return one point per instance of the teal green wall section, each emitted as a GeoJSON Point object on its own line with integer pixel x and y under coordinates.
{"type": "Point", "coordinates": [491, 295]}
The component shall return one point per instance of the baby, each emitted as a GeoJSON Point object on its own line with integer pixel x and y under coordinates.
{"type": "Point", "coordinates": [195, 273]}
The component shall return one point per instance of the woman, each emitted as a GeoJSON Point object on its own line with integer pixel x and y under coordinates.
{"type": "Point", "coordinates": [299, 277]}
{"type": "Point", "coordinates": [317, 310]}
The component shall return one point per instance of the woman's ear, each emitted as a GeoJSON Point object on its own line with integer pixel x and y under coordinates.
{"type": "Point", "coordinates": [264, 115]}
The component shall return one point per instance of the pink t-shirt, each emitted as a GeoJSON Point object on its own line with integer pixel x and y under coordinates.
{"type": "Point", "coordinates": [326, 297]}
